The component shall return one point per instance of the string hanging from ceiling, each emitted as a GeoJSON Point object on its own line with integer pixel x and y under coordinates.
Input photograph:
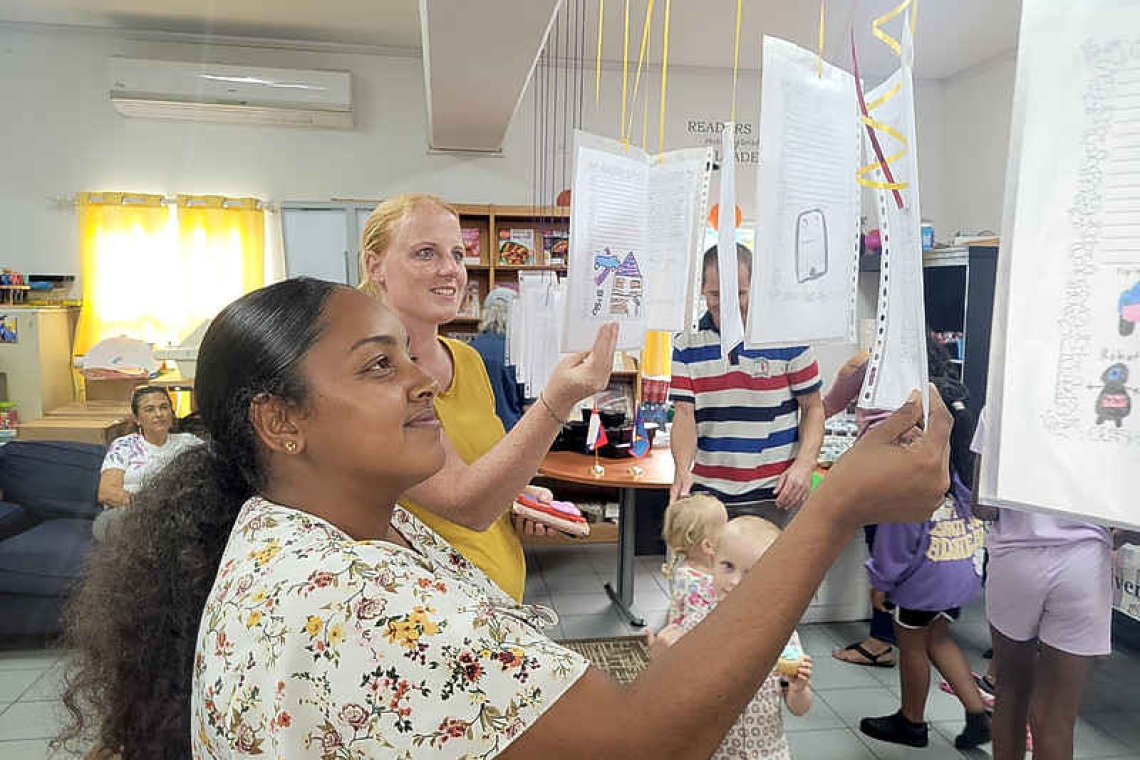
{"type": "Point", "coordinates": [558, 95]}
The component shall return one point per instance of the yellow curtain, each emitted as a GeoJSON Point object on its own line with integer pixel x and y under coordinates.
{"type": "Point", "coordinates": [155, 272]}
{"type": "Point", "coordinates": [117, 242]}
{"type": "Point", "coordinates": [222, 242]}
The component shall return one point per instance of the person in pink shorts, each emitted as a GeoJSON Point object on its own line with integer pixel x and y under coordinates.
{"type": "Point", "coordinates": [1049, 605]}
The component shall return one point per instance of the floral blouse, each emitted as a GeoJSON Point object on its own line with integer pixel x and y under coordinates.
{"type": "Point", "coordinates": [313, 645]}
{"type": "Point", "coordinates": [692, 594]}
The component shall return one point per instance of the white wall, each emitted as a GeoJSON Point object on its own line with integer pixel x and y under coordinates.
{"type": "Point", "coordinates": [62, 136]}
{"type": "Point", "coordinates": [977, 109]}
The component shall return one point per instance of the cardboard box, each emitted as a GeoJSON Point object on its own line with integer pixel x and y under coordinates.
{"type": "Point", "coordinates": [84, 430]}
{"type": "Point", "coordinates": [112, 390]}
{"type": "Point", "coordinates": [118, 410]}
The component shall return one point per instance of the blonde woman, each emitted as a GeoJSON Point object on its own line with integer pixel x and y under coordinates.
{"type": "Point", "coordinates": [411, 258]}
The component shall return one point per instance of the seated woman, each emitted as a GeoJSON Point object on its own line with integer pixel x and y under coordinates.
{"type": "Point", "coordinates": [266, 596]}
{"type": "Point", "coordinates": [411, 259]}
{"type": "Point", "coordinates": [133, 458]}
{"type": "Point", "coordinates": [491, 343]}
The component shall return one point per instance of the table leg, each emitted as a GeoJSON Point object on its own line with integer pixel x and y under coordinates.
{"type": "Point", "coordinates": [627, 540]}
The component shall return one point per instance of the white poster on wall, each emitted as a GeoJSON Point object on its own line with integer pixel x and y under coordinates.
{"type": "Point", "coordinates": [805, 277]}
{"type": "Point", "coordinates": [635, 222]}
{"type": "Point", "coordinates": [1065, 356]}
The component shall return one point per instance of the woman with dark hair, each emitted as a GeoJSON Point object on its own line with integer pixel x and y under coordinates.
{"type": "Point", "coordinates": [266, 596]}
{"type": "Point", "coordinates": [133, 458]}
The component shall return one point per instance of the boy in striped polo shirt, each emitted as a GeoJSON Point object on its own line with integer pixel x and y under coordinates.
{"type": "Point", "coordinates": [747, 428]}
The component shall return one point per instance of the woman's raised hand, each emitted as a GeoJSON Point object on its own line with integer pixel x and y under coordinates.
{"type": "Point", "coordinates": [582, 374]}
{"type": "Point", "coordinates": [897, 472]}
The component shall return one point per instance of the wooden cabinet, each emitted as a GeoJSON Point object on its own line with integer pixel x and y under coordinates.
{"type": "Point", "coordinates": [38, 364]}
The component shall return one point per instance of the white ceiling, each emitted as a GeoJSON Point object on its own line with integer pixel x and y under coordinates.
{"type": "Point", "coordinates": [952, 34]}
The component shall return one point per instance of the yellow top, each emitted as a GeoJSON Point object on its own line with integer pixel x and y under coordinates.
{"type": "Point", "coordinates": [467, 412]}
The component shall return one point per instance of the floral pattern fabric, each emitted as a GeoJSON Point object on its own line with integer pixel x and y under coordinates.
{"type": "Point", "coordinates": [139, 459]}
{"type": "Point", "coordinates": [313, 645]}
{"type": "Point", "coordinates": [758, 734]}
{"type": "Point", "coordinates": [692, 596]}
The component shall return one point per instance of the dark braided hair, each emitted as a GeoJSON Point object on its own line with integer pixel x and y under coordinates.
{"type": "Point", "coordinates": [956, 396]}
{"type": "Point", "coordinates": [133, 619]}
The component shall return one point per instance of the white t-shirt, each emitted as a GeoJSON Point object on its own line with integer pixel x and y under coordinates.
{"type": "Point", "coordinates": [139, 459]}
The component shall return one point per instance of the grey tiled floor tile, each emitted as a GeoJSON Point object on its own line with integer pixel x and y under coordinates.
{"type": "Point", "coordinates": [1124, 726]}
{"type": "Point", "coordinates": [594, 602]}
{"type": "Point", "coordinates": [13, 683]}
{"type": "Point", "coordinates": [566, 582]}
{"type": "Point", "coordinates": [829, 673]}
{"type": "Point", "coordinates": [1089, 741]}
{"type": "Point", "coordinates": [819, 717]}
{"type": "Point", "coordinates": [835, 744]}
{"type": "Point", "coordinates": [32, 720]}
{"type": "Point", "coordinates": [939, 749]}
{"type": "Point", "coordinates": [594, 626]}
{"type": "Point", "coordinates": [29, 659]}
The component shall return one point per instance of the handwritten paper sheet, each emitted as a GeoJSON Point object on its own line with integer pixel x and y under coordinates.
{"type": "Point", "coordinates": [633, 230]}
{"type": "Point", "coordinates": [1065, 357]}
{"type": "Point", "coordinates": [805, 276]}
{"type": "Point", "coordinates": [898, 354]}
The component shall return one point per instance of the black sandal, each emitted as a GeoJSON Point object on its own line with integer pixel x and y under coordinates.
{"type": "Point", "coordinates": [872, 660]}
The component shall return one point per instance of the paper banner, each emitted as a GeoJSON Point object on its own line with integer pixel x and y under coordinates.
{"type": "Point", "coordinates": [898, 355]}
{"type": "Point", "coordinates": [805, 277]}
{"type": "Point", "coordinates": [1063, 437]}
{"type": "Point", "coordinates": [633, 232]}
{"type": "Point", "coordinates": [731, 322]}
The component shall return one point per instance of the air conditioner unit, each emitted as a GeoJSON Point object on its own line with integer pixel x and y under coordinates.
{"type": "Point", "coordinates": [235, 94]}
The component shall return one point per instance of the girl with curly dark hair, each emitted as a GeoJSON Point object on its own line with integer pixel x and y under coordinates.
{"type": "Point", "coordinates": [266, 596]}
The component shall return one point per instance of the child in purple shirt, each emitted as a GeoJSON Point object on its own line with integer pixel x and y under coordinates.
{"type": "Point", "coordinates": [925, 573]}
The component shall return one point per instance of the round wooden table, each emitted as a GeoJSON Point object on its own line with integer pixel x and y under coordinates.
{"type": "Point", "coordinates": [653, 471]}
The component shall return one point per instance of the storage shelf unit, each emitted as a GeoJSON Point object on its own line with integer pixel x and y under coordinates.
{"type": "Point", "coordinates": [489, 273]}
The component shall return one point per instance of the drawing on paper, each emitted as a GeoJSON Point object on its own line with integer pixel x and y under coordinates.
{"type": "Point", "coordinates": [1129, 309]}
{"type": "Point", "coordinates": [1114, 403]}
{"type": "Point", "coordinates": [8, 332]}
{"type": "Point", "coordinates": [618, 286]}
{"type": "Point", "coordinates": [811, 245]}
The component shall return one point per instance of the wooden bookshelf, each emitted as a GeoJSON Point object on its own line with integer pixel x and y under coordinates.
{"type": "Point", "coordinates": [489, 218]}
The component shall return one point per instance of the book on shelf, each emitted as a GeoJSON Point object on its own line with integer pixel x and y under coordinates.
{"type": "Point", "coordinates": [472, 301]}
{"type": "Point", "coordinates": [516, 247]}
{"type": "Point", "coordinates": [473, 253]}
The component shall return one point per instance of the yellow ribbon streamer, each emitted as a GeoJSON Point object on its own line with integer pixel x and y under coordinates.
{"type": "Point", "coordinates": [877, 31]}
{"type": "Point", "coordinates": [641, 59]}
{"type": "Point", "coordinates": [735, 59]}
{"type": "Point", "coordinates": [598, 70]}
{"type": "Point", "coordinates": [664, 81]}
{"type": "Point", "coordinates": [877, 26]}
{"type": "Point", "coordinates": [819, 54]}
{"type": "Point", "coordinates": [624, 71]}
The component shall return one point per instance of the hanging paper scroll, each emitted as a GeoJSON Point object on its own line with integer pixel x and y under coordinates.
{"type": "Point", "coordinates": [1063, 436]}
{"type": "Point", "coordinates": [805, 277]}
{"type": "Point", "coordinates": [634, 226]}
{"type": "Point", "coordinates": [897, 364]}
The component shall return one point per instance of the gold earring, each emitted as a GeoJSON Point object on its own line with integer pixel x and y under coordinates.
{"type": "Point", "coordinates": [291, 446]}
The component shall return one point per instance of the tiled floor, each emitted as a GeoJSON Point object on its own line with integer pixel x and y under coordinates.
{"type": "Point", "coordinates": [570, 580]}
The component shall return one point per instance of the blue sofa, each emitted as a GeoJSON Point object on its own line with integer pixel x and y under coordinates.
{"type": "Point", "coordinates": [47, 508]}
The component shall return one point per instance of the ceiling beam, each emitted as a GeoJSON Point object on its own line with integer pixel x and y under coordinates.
{"type": "Point", "coordinates": [478, 58]}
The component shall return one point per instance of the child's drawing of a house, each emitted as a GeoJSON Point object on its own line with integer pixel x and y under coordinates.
{"type": "Point", "coordinates": [625, 299]}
